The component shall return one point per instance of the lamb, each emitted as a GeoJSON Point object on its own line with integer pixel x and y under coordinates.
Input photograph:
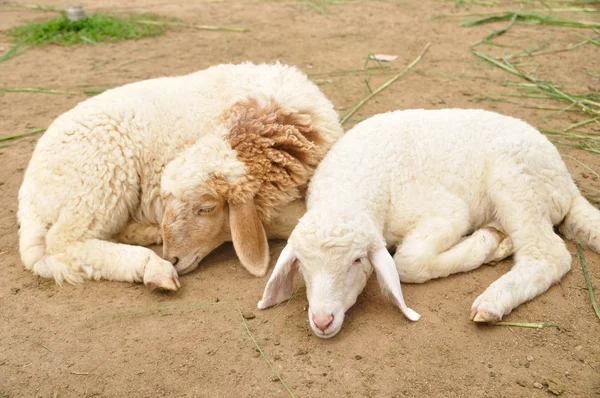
{"type": "Point", "coordinates": [450, 190]}
{"type": "Point", "coordinates": [222, 154]}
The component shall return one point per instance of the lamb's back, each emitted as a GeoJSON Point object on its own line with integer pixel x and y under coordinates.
{"type": "Point", "coordinates": [456, 148]}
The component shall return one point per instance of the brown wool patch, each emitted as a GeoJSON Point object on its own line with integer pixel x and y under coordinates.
{"type": "Point", "coordinates": [280, 148]}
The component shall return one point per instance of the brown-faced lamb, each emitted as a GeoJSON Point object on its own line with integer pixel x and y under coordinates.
{"type": "Point", "coordinates": [223, 154]}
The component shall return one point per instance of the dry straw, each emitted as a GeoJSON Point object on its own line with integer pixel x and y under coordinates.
{"type": "Point", "coordinates": [535, 325]}
{"type": "Point", "coordinates": [385, 85]}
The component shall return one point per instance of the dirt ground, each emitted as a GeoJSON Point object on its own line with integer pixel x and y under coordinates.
{"type": "Point", "coordinates": [117, 339]}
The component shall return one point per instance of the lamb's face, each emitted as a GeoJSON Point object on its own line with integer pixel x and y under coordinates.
{"type": "Point", "coordinates": [333, 258]}
{"type": "Point", "coordinates": [336, 249]}
{"type": "Point", "coordinates": [192, 229]}
{"type": "Point", "coordinates": [334, 278]}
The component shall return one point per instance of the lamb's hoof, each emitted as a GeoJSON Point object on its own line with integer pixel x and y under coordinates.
{"type": "Point", "coordinates": [485, 317]}
{"type": "Point", "coordinates": [481, 315]}
{"type": "Point", "coordinates": [160, 274]}
{"type": "Point", "coordinates": [163, 282]}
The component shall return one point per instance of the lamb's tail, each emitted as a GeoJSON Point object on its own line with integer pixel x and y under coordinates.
{"type": "Point", "coordinates": [32, 248]}
{"type": "Point", "coordinates": [582, 224]}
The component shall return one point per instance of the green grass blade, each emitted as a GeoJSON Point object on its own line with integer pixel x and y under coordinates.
{"type": "Point", "coordinates": [498, 32]}
{"type": "Point", "coordinates": [155, 310]}
{"type": "Point", "coordinates": [588, 281]}
{"type": "Point", "coordinates": [90, 30]}
{"type": "Point", "coordinates": [251, 337]}
{"type": "Point", "coordinates": [12, 137]}
{"type": "Point", "coordinates": [35, 90]}
{"type": "Point", "coordinates": [531, 17]}
{"type": "Point", "coordinates": [15, 50]}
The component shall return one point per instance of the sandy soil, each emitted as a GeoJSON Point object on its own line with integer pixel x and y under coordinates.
{"type": "Point", "coordinates": [118, 339]}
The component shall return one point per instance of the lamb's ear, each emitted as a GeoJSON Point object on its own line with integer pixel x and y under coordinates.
{"type": "Point", "coordinates": [249, 237]}
{"type": "Point", "coordinates": [281, 282]}
{"type": "Point", "coordinates": [388, 278]}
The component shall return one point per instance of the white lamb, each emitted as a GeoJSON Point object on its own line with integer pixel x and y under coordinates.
{"type": "Point", "coordinates": [212, 156]}
{"type": "Point", "coordinates": [443, 187]}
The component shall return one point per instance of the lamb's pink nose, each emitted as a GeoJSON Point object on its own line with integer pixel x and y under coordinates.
{"type": "Point", "coordinates": [322, 322]}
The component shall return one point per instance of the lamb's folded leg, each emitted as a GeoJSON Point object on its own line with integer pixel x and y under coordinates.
{"type": "Point", "coordinates": [424, 256]}
{"type": "Point", "coordinates": [140, 234]}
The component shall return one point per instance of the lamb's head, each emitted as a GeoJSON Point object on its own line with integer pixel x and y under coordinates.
{"type": "Point", "coordinates": [224, 186]}
{"type": "Point", "coordinates": [336, 252]}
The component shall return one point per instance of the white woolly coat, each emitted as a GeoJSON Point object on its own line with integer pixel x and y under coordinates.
{"type": "Point", "coordinates": [99, 165]}
{"type": "Point", "coordinates": [450, 190]}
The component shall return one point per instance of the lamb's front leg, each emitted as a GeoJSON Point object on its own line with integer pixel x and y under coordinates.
{"type": "Point", "coordinates": [101, 259]}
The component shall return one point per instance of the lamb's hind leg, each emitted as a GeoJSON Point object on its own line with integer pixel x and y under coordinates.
{"type": "Point", "coordinates": [541, 259]}
{"type": "Point", "coordinates": [541, 256]}
{"type": "Point", "coordinates": [436, 248]}
{"type": "Point", "coordinates": [136, 233]}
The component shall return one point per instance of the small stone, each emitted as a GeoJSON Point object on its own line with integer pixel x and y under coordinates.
{"type": "Point", "coordinates": [274, 378]}
{"type": "Point", "coordinates": [277, 357]}
{"type": "Point", "coordinates": [217, 299]}
{"type": "Point", "coordinates": [489, 365]}
{"type": "Point", "coordinates": [554, 387]}
{"type": "Point", "coordinates": [579, 348]}
{"type": "Point", "coordinates": [301, 351]}
{"type": "Point", "coordinates": [522, 383]}
{"type": "Point", "coordinates": [358, 357]}
{"type": "Point", "coordinates": [538, 385]}
{"type": "Point", "coordinates": [529, 358]}
{"type": "Point", "coordinates": [492, 374]}
{"type": "Point", "coordinates": [585, 175]}
{"type": "Point", "coordinates": [14, 290]}
{"type": "Point", "coordinates": [248, 315]}
{"type": "Point", "coordinates": [276, 342]}
{"type": "Point", "coordinates": [324, 373]}
{"type": "Point", "coordinates": [567, 374]}
{"type": "Point", "coordinates": [527, 365]}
